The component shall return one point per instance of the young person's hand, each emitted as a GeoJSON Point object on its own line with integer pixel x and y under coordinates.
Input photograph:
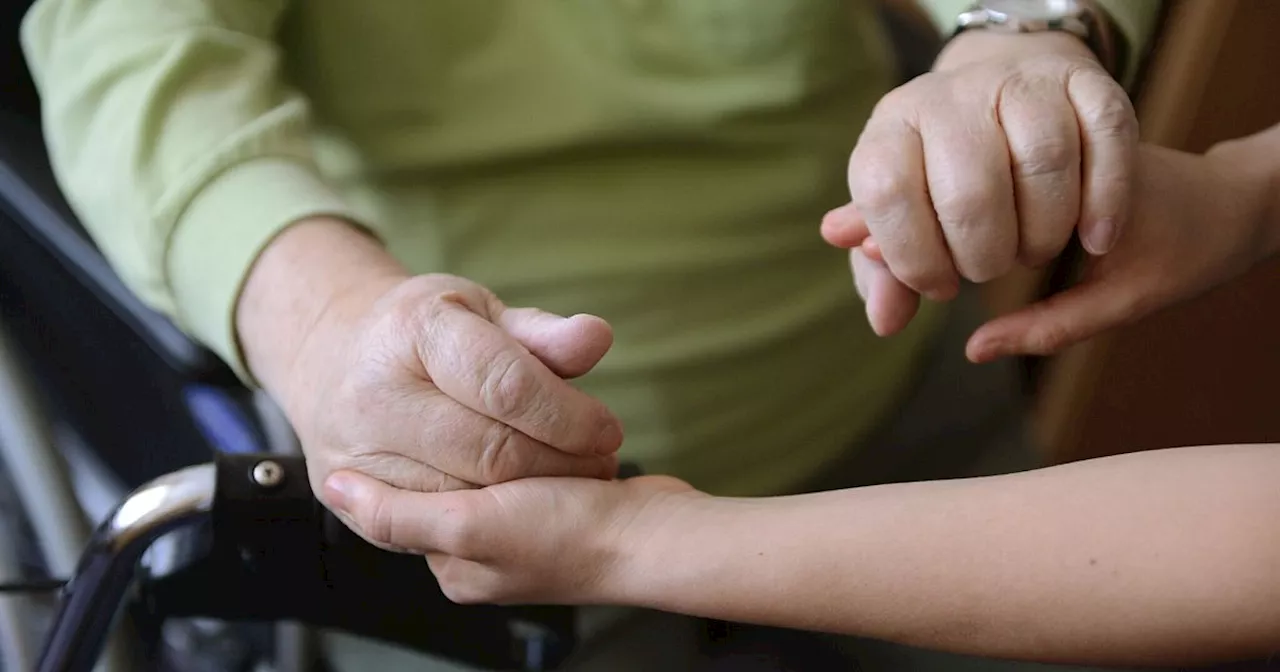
{"type": "Point", "coordinates": [1198, 222]}
{"type": "Point", "coordinates": [539, 540]}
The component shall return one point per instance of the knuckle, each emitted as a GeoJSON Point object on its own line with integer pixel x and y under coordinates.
{"type": "Point", "coordinates": [508, 387]}
{"type": "Point", "coordinates": [1115, 118]}
{"type": "Point", "coordinates": [404, 310]}
{"type": "Point", "coordinates": [894, 102]}
{"type": "Point", "coordinates": [962, 210]}
{"type": "Point", "coordinates": [377, 520]}
{"type": "Point", "coordinates": [874, 190]}
{"type": "Point", "coordinates": [1108, 111]}
{"type": "Point", "coordinates": [1046, 156]}
{"type": "Point", "coordinates": [499, 458]}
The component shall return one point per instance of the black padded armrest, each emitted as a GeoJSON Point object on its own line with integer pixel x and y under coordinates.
{"type": "Point", "coordinates": [30, 197]}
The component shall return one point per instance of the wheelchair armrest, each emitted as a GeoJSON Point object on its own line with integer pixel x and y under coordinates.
{"type": "Point", "coordinates": [247, 541]}
{"type": "Point", "coordinates": [30, 197]}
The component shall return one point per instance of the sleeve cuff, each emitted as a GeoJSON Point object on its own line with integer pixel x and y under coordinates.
{"type": "Point", "coordinates": [222, 232]}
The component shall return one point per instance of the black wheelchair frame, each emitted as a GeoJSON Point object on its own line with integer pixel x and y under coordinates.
{"type": "Point", "coordinates": [247, 541]}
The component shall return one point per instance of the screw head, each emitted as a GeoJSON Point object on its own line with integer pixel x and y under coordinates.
{"type": "Point", "coordinates": [268, 473]}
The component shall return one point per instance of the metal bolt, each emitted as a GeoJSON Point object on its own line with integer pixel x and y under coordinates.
{"type": "Point", "coordinates": [268, 473]}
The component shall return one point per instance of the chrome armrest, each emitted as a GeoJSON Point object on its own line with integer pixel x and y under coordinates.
{"type": "Point", "coordinates": [95, 595]}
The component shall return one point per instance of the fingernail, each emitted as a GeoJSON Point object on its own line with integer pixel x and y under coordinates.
{"type": "Point", "coordinates": [610, 438]}
{"type": "Point", "coordinates": [1100, 238]}
{"type": "Point", "coordinates": [340, 491]}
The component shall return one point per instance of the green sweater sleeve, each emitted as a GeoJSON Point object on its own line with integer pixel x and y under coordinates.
{"type": "Point", "coordinates": [176, 143]}
{"type": "Point", "coordinates": [1136, 20]}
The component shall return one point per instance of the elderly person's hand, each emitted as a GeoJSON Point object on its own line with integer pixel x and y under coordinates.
{"type": "Point", "coordinates": [990, 161]}
{"type": "Point", "coordinates": [1198, 221]}
{"type": "Point", "coordinates": [424, 383]}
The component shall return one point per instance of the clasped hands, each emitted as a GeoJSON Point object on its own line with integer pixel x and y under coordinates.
{"type": "Point", "coordinates": [439, 422]}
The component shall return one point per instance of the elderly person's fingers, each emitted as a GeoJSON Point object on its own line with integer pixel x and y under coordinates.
{"type": "Point", "coordinates": [889, 188]}
{"type": "Point", "coordinates": [1109, 131]}
{"type": "Point", "coordinates": [890, 304]}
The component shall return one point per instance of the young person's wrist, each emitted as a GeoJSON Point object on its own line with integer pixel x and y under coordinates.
{"type": "Point", "coordinates": [1251, 170]}
{"type": "Point", "coordinates": [659, 563]}
{"type": "Point", "coordinates": [1270, 218]}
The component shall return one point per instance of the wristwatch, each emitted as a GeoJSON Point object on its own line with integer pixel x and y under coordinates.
{"type": "Point", "coordinates": [1082, 18]}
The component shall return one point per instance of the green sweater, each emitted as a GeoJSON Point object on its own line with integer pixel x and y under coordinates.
{"type": "Point", "coordinates": [660, 163]}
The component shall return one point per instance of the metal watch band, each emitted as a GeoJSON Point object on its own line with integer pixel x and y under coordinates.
{"type": "Point", "coordinates": [1093, 27]}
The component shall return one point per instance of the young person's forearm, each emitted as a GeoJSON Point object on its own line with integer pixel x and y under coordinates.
{"type": "Point", "coordinates": [1268, 151]}
{"type": "Point", "coordinates": [1153, 558]}
{"type": "Point", "coordinates": [294, 283]}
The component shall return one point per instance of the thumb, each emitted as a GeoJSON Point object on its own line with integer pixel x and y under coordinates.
{"type": "Point", "coordinates": [418, 522]}
{"type": "Point", "coordinates": [890, 304]}
{"type": "Point", "coordinates": [569, 346]}
{"type": "Point", "coordinates": [1061, 320]}
{"type": "Point", "coordinates": [844, 227]}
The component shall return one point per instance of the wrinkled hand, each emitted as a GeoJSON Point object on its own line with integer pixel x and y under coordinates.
{"type": "Point", "coordinates": [534, 541]}
{"type": "Point", "coordinates": [1198, 222]}
{"type": "Point", "coordinates": [431, 384]}
{"type": "Point", "coordinates": [989, 161]}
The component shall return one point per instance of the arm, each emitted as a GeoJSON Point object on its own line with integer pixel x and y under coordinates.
{"type": "Point", "coordinates": [1256, 160]}
{"type": "Point", "coordinates": [177, 143]}
{"type": "Point", "coordinates": [1168, 557]}
{"type": "Point", "coordinates": [1163, 557]}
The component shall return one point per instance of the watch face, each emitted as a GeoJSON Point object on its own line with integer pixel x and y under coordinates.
{"type": "Point", "coordinates": [1034, 10]}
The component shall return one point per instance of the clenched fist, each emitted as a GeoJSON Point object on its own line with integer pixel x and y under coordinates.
{"type": "Point", "coordinates": [992, 160]}
{"type": "Point", "coordinates": [424, 383]}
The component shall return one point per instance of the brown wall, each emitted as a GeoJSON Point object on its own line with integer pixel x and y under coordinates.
{"type": "Point", "coordinates": [1209, 371]}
